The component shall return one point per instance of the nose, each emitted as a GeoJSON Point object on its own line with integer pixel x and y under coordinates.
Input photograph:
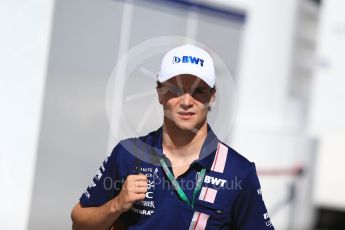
{"type": "Point", "coordinates": [186, 101]}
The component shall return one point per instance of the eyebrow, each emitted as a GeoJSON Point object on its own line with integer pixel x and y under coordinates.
{"type": "Point", "coordinates": [201, 87]}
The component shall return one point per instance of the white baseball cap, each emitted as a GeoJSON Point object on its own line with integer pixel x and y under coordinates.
{"type": "Point", "coordinates": [187, 59]}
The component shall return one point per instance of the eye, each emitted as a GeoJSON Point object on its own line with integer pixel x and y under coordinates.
{"type": "Point", "coordinates": [174, 90]}
{"type": "Point", "coordinates": [199, 91]}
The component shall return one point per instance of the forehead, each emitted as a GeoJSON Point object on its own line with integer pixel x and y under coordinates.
{"type": "Point", "coordinates": [187, 81]}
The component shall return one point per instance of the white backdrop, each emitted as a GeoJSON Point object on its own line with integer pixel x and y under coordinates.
{"type": "Point", "coordinates": [25, 36]}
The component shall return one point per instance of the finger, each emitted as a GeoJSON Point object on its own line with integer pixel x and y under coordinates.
{"type": "Point", "coordinates": [140, 196]}
{"type": "Point", "coordinates": [140, 177]}
{"type": "Point", "coordinates": [140, 184]}
{"type": "Point", "coordinates": [137, 183]}
{"type": "Point", "coordinates": [137, 189]}
{"type": "Point", "coordinates": [137, 197]}
{"type": "Point", "coordinates": [140, 190]}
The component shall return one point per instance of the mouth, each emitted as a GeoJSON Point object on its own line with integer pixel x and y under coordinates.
{"type": "Point", "coordinates": [186, 115]}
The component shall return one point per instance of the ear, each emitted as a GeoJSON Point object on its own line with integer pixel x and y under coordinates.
{"type": "Point", "coordinates": [160, 96]}
{"type": "Point", "coordinates": [213, 97]}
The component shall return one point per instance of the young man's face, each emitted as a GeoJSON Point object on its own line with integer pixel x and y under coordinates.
{"type": "Point", "coordinates": [185, 100]}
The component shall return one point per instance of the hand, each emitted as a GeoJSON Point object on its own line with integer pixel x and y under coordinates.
{"type": "Point", "coordinates": [134, 189]}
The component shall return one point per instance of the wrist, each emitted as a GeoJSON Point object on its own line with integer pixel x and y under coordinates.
{"type": "Point", "coordinates": [116, 206]}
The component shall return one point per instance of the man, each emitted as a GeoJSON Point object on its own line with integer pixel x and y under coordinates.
{"type": "Point", "coordinates": [180, 176]}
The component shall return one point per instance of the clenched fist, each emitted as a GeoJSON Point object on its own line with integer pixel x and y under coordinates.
{"type": "Point", "coordinates": [133, 190]}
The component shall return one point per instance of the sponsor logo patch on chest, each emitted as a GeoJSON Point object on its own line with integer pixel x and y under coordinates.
{"type": "Point", "coordinates": [214, 181]}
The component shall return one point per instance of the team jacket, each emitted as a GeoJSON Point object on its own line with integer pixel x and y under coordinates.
{"type": "Point", "coordinates": [230, 196]}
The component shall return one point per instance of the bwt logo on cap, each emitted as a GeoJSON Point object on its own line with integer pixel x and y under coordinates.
{"type": "Point", "coordinates": [188, 59]}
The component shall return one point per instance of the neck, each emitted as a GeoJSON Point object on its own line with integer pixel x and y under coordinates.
{"type": "Point", "coordinates": [183, 144]}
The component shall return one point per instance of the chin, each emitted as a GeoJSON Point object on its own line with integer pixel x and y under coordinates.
{"type": "Point", "coordinates": [187, 125]}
